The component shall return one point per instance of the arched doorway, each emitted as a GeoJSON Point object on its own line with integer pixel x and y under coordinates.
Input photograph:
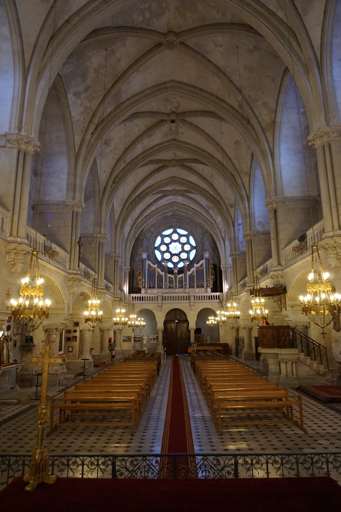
{"type": "Point", "coordinates": [176, 332]}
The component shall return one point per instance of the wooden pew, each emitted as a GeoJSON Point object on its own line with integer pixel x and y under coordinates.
{"type": "Point", "coordinates": [99, 405]}
{"type": "Point", "coordinates": [259, 401]}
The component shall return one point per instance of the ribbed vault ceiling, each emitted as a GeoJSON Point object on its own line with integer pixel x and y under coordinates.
{"type": "Point", "coordinates": [172, 101]}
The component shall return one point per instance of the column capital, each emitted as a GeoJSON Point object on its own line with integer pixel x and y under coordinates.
{"type": "Point", "coordinates": [51, 331]}
{"type": "Point", "coordinates": [16, 140]}
{"type": "Point", "coordinates": [324, 135]}
{"type": "Point", "coordinates": [274, 202]}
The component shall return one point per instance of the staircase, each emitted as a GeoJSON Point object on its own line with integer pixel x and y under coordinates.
{"type": "Point", "coordinates": [311, 354]}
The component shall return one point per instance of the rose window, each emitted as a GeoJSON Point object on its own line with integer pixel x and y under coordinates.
{"type": "Point", "coordinates": [175, 246]}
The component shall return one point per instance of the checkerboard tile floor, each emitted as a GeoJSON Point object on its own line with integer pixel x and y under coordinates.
{"type": "Point", "coordinates": [323, 424]}
{"type": "Point", "coordinates": [18, 429]}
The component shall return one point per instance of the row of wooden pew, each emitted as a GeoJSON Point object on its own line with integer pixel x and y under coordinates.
{"type": "Point", "coordinates": [120, 391]}
{"type": "Point", "coordinates": [239, 396]}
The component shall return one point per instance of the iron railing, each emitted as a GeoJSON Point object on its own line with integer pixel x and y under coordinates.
{"type": "Point", "coordinates": [181, 466]}
{"type": "Point", "coordinates": [309, 347]}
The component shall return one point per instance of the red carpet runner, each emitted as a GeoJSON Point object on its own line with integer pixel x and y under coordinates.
{"type": "Point", "coordinates": [177, 434]}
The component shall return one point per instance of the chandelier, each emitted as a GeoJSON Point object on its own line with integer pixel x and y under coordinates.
{"type": "Point", "coordinates": [321, 303]}
{"type": "Point", "coordinates": [258, 313]}
{"type": "Point", "coordinates": [120, 320]}
{"type": "Point", "coordinates": [232, 313]}
{"type": "Point", "coordinates": [30, 304]}
{"type": "Point", "coordinates": [93, 315]}
{"type": "Point", "coordinates": [220, 319]}
{"type": "Point", "coordinates": [212, 321]}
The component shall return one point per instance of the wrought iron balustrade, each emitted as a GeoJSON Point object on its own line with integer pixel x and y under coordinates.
{"type": "Point", "coordinates": [309, 347]}
{"type": "Point", "coordinates": [181, 466]}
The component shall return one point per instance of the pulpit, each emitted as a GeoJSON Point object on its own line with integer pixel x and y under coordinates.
{"type": "Point", "coordinates": [274, 336]}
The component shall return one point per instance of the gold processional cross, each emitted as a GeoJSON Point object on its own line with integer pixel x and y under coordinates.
{"type": "Point", "coordinates": [39, 466]}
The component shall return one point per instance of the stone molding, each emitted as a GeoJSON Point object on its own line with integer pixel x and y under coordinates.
{"type": "Point", "coordinates": [237, 254]}
{"type": "Point", "coordinates": [15, 259]}
{"type": "Point", "coordinates": [325, 135]}
{"type": "Point", "coordinates": [291, 202]}
{"type": "Point", "coordinates": [16, 140]}
{"type": "Point", "coordinates": [56, 206]}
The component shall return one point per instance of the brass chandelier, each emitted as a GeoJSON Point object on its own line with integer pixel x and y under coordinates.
{"type": "Point", "coordinates": [120, 320]}
{"type": "Point", "coordinates": [321, 302]}
{"type": "Point", "coordinates": [258, 313]}
{"type": "Point", "coordinates": [30, 304]}
{"type": "Point", "coordinates": [135, 322]}
{"type": "Point", "coordinates": [93, 315]}
{"type": "Point", "coordinates": [232, 312]}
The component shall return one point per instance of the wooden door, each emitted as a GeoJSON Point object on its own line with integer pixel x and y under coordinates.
{"type": "Point", "coordinates": [176, 332]}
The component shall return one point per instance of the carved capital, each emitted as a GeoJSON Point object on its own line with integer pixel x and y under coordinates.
{"type": "Point", "coordinates": [72, 284]}
{"type": "Point", "coordinates": [53, 331]}
{"type": "Point", "coordinates": [15, 259]}
{"type": "Point", "coordinates": [274, 202]}
{"type": "Point", "coordinates": [15, 140]}
{"type": "Point", "coordinates": [332, 248]}
{"type": "Point", "coordinates": [324, 135]}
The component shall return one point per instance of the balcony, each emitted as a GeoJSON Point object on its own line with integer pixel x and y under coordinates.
{"type": "Point", "coordinates": [190, 298]}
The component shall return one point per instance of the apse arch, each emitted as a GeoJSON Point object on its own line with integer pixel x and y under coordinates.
{"type": "Point", "coordinates": [137, 228]}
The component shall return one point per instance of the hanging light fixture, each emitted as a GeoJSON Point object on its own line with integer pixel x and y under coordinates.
{"type": "Point", "coordinates": [232, 312]}
{"type": "Point", "coordinates": [321, 302]}
{"type": "Point", "coordinates": [120, 320]}
{"type": "Point", "coordinates": [31, 304]}
{"type": "Point", "coordinates": [258, 313]}
{"type": "Point", "coordinates": [212, 321]}
{"type": "Point", "coordinates": [93, 315]}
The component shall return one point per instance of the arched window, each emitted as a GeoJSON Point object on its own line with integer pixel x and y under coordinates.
{"type": "Point", "coordinates": [175, 246]}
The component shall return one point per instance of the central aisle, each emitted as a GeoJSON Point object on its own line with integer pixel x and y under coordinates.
{"type": "Point", "coordinates": [177, 434]}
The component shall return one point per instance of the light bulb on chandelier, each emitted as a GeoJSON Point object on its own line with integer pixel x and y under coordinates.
{"type": "Point", "coordinates": [321, 304]}
{"type": "Point", "coordinates": [31, 305]}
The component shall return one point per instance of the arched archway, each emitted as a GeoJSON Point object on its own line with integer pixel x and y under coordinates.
{"type": "Point", "coordinates": [210, 333]}
{"type": "Point", "coordinates": [176, 332]}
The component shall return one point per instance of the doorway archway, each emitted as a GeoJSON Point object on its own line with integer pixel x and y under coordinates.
{"type": "Point", "coordinates": [176, 332]}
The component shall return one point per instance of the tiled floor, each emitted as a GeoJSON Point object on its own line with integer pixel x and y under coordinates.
{"type": "Point", "coordinates": [323, 424]}
{"type": "Point", "coordinates": [18, 428]}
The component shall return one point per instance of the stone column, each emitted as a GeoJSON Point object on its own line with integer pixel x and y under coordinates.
{"type": "Point", "coordinates": [125, 279]}
{"type": "Point", "coordinates": [101, 260]}
{"type": "Point", "coordinates": [249, 258]}
{"type": "Point", "coordinates": [248, 353]}
{"type": "Point", "coordinates": [118, 342]}
{"type": "Point", "coordinates": [107, 333]}
{"type": "Point", "coordinates": [116, 279]}
{"type": "Point", "coordinates": [17, 150]}
{"type": "Point", "coordinates": [225, 270]}
{"type": "Point", "coordinates": [53, 335]}
{"type": "Point", "coordinates": [160, 335]}
{"type": "Point", "coordinates": [96, 340]}
{"type": "Point", "coordinates": [87, 342]}
{"type": "Point", "coordinates": [271, 204]}
{"type": "Point", "coordinates": [234, 256]}
{"type": "Point", "coordinates": [75, 233]}
{"type": "Point", "coordinates": [321, 140]}
{"type": "Point", "coordinates": [192, 335]}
